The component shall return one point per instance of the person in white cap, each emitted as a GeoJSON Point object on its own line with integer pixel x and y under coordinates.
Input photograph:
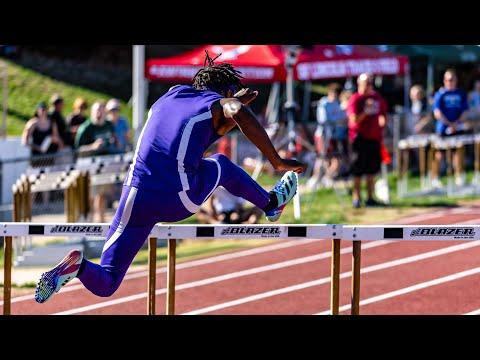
{"type": "Point", "coordinates": [120, 123]}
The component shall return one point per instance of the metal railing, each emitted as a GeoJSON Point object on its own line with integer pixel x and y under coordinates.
{"type": "Point", "coordinates": [427, 145]}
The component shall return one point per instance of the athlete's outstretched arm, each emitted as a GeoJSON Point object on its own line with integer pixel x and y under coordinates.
{"type": "Point", "coordinates": [249, 125]}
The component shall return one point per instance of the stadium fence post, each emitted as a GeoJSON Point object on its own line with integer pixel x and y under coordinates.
{"type": "Point", "coordinates": [24, 198]}
{"type": "Point", "coordinates": [152, 274]}
{"type": "Point", "coordinates": [476, 163]}
{"type": "Point", "coordinates": [80, 195]}
{"type": "Point", "coordinates": [461, 155]}
{"type": "Point", "coordinates": [422, 161]}
{"type": "Point", "coordinates": [87, 194]}
{"type": "Point", "coordinates": [77, 197]}
{"type": "Point", "coordinates": [335, 277]}
{"type": "Point", "coordinates": [66, 202]}
{"type": "Point", "coordinates": [171, 259]}
{"type": "Point", "coordinates": [7, 275]}
{"type": "Point", "coordinates": [356, 258]}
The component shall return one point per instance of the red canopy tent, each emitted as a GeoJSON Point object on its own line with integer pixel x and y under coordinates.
{"type": "Point", "coordinates": [258, 63]}
{"type": "Point", "coordinates": [343, 61]}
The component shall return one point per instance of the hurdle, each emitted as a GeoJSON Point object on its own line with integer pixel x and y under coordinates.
{"type": "Point", "coordinates": [427, 145]}
{"type": "Point", "coordinates": [173, 233]}
{"type": "Point", "coordinates": [357, 234]}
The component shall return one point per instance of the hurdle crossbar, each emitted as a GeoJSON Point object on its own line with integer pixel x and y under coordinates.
{"type": "Point", "coordinates": [173, 233]}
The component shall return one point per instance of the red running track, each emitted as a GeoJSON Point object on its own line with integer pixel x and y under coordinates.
{"type": "Point", "coordinates": [292, 277]}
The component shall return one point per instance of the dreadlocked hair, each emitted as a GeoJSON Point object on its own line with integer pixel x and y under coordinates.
{"type": "Point", "coordinates": [216, 77]}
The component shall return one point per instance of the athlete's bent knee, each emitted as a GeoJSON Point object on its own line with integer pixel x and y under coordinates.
{"type": "Point", "coordinates": [109, 288]}
{"type": "Point", "coordinates": [223, 160]}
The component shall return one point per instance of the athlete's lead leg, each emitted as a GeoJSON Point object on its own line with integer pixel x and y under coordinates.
{"type": "Point", "coordinates": [239, 183]}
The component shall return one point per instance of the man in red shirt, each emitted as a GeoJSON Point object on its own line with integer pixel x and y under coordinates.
{"type": "Point", "coordinates": [367, 116]}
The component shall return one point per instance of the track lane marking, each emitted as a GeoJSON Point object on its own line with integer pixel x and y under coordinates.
{"type": "Point", "coordinates": [188, 264]}
{"type": "Point", "coordinates": [409, 289]}
{"type": "Point", "coordinates": [216, 279]}
{"type": "Point", "coordinates": [345, 275]}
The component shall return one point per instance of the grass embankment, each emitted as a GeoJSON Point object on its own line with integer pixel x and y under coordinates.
{"type": "Point", "coordinates": [26, 88]}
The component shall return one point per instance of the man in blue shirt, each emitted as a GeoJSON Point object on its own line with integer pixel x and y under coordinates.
{"type": "Point", "coordinates": [120, 124]}
{"type": "Point", "coordinates": [450, 111]}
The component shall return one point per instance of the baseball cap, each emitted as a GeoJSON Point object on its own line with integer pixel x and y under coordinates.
{"type": "Point", "coordinates": [55, 99]}
{"type": "Point", "coordinates": [41, 105]}
{"type": "Point", "coordinates": [113, 104]}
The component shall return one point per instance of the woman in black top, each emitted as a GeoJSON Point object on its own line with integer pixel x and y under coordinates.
{"type": "Point", "coordinates": [41, 135]}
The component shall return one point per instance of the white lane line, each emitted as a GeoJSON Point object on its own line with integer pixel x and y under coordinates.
{"type": "Point", "coordinates": [216, 279]}
{"type": "Point", "coordinates": [189, 264]}
{"type": "Point", "coordinates": [436, 214]}
{"type": "Point", "coordinates": [475, 312]}
{"type": "Point", "coordinates": [368, 269]}
{"type": "Point", "coordinates": [410, 289]}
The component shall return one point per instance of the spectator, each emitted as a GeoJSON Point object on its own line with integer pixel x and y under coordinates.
{"type": "Point", "coordinates": [345, 96]}
{"type": "Point", "coordinates": [77, 118]}
{"type": "Point", "coordinates": [419, 119]}
{"type": "Point", "coordinates": [41, 135]}
{"type": "Point", "coordinates": [450, 109]}
{"type": "Point", "coordinates": [57, 104]}
{"type": "Point", "coordinates": [474, 101]}
{"type": "Point", "coordinates": [120, 124]}
{"type": "Point", "coordinates": [225, 208]}
{"type": "Point", "coordinates": [367, 117]}
{"type": "Point", "coordinates": [332, 124]}
{"type": "Point", "coordinates": [96, 136]}
{"type": "Point", "coordinates": [331, 139]}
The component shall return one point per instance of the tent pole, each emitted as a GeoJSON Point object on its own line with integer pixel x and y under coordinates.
{"type": "Point", "coordinates": [138, 90]}
{"type": "Point", "coordinates": [307, 92]}
{"type": "Point", "coordinates": [430, 75]}
{"type": "Point", "coordinates": [407, 83]}
{"type": "Point", "coordinates": [271, 101]}
{"type": "Point", "coordinates": [290, 105]}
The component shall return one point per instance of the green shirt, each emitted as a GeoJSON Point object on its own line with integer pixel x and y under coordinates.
{"type": "Point", "coordinates": [88, 133]}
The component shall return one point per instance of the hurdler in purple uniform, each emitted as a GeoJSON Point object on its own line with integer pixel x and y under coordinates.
{"type": "Point", "coordinates": [169, 178]}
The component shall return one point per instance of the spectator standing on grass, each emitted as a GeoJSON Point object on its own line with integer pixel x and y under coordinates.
{"type": "Point", "coordinates": [41, 135]}
{"type": "Point", "coordinates": [419, 119]}
{"type": "Point", "coordinates": [120, 124]}
{"type": "Point", "coordinates": [57, 103]}
{"type": "Point", "coordinates": [330, 137]}
{"type": "Point", "coordinates": [474, 101]}
{"type": "Point", "coordinates": [450, 109]}
{"type": "Point", "coordinates": [333, 119]}
{"type": "Point", "coordinates": [78, 117]}
{"type": "Point", "coordinates": [367, 117]}
{"type": "Point", "coordinates": [96, 136]}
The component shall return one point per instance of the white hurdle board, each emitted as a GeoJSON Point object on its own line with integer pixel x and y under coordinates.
{"type": "Point", "coordinates": [165, 231]}
{"type": "Point", "coordinates": [411, 232]}
{"type": "Point", "coordinates": [259, 231]}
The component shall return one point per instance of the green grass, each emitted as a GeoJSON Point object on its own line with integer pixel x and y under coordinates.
{"type": "Point", "coordinates": [189, 250]}
{"type": "Point", "coordinates": [26, 88]}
